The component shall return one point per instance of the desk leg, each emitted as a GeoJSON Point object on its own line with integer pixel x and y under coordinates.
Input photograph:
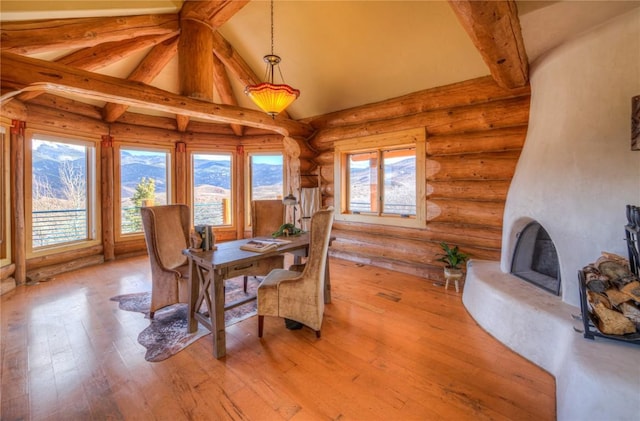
{"type": "Point", "coordinates": [217, 314]}
{"type": "Point", "coordinates": [193, 286]}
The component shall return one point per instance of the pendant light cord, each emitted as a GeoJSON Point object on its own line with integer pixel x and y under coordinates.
{"type": "Point", "coordinates": [271, 27]}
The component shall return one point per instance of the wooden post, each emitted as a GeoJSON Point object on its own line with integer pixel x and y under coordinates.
{"type": "Point", "coordinates": [196, 60]}
{"type": "Point", "coordinates": [19, 246]}
{"type": "Point", "coordinates": [240, 193]}
{"type": "Point", "coordinates": [181, 173]}
{"type": "Point", "coordinates": [106, 191]}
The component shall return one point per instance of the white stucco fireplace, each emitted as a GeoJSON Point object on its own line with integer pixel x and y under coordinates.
{"type": "Point", "coordinates": [575, 176]}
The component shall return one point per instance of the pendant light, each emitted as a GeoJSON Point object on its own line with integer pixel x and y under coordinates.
{"type": "Point", "coordinates": [272, 98]}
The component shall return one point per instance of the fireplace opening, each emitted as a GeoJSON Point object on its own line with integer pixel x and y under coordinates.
{"type": "Point", "coordinates": [535, 259]}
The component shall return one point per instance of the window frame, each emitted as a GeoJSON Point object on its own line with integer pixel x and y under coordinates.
{"type": "Point", "coordinates": [412, 138]}
{"type": "Point", "coordinates": [93, 202]}
{"type": "Point", "coordinates": [117, 183]}
{"type": "Point", "coordinates": [232, 172]}
{"type": "Point", "coordinates": [5, 216]}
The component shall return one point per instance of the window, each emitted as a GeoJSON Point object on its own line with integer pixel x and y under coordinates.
{"type": "Point", "coordinates": [388, 188]}
{"type": "Point", "coordinates": [211, 183]}
{"type": "Point", "coordinates": [61, 212]}
{"type": "Point", "coordinates": [265, 179]}
{"type": "Point", "coordinates": [144, 181]}
{"type": "Point", "coordinates": [266, 173]}
{"type": "Point", "coordinates": [378, 179]}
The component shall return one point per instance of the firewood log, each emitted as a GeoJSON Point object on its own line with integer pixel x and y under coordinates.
{"type": "Point", "coordinates": [616, 297]}
{"type": "Point", "coordinates": [597, 282]}
{"type": "Point", "coordinates": [610, 322]}
{"type": "Point", "coordinates": [631, 312]}
{"type": "Point", "coordinates": [596, 298]}
{"type": "Point", "coordinates": [632, 289]}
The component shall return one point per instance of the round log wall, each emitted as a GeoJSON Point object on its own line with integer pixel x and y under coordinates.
{"type": "Point", "coordinates": [475, 132]}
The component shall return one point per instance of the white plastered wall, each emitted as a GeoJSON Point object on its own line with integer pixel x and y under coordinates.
{"type": "Point", "coordinates": [577, 171]}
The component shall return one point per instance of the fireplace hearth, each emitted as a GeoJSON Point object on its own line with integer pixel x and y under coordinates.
{"type": "Point", "coordinates": [535, 259]}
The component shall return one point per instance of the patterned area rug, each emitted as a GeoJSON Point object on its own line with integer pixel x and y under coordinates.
{"type": "Point", "coordinates": [167, 333]}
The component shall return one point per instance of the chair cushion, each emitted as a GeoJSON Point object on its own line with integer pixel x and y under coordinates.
{"type": "Point", "coordinates": [268, 291]}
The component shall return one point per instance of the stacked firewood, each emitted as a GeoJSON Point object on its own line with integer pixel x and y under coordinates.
{"type": "Point", "coordinates": [613, 293]}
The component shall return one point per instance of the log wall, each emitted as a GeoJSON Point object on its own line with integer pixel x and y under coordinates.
{"type": "Point", "coordinates": [475, 132]}
{"type": "Point", "coordinates": [50, 114]}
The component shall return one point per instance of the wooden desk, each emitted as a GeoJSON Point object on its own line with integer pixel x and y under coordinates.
{"type": "Point", "coordinates": [209, 269]}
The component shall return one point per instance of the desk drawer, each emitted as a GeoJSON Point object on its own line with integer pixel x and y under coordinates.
{"type": "Point", "coordinates": [258, 268]}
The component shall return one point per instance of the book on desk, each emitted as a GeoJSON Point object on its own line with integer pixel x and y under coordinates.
{"type": "Point", "coordinates": [263, 246]}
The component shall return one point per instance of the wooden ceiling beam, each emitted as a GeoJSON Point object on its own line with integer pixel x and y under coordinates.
{"type": "Point", "coordinates": [102, 55]}
{"type": "Point", "coordinates": [223, 84]}
{"type": "Point", "coordinates": [212, 13]}
{"type": "Point", "coordinates": [93, 58]}
{"type": "Point", "coordinates": [494, 28]}
{"type": "Point", "coordinates": [21, 73]}
{"type": "Point", "coordinates": [29, 37]}
{"type": "Point", "coordinates": [147, 70]}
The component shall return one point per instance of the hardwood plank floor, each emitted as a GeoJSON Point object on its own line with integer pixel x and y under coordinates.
{"type": "Point", "coordinates": [393, 347]}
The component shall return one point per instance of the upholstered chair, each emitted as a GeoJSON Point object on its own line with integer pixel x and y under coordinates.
{"type": "Point", "coordinates": [266, 218]}
{"type": "Point", "coordinates": [166, 231]}
{"type": "Point", "coordinates": [299, 296]}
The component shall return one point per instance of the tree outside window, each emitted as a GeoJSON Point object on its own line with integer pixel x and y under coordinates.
{"type": "Point", "coordinates": [144, 181]}
{"type": "Point", "coordinates": [59, 183]}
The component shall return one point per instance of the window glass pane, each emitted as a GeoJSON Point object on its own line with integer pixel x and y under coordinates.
{"type": "Point", "coordinates": [59, 192]}
{"type": "Point", "coordinates": [211, 189]}
{"type": "Point", "coordinates": [363, 182]}
{"type": "Point", "coordinates": [143, 181]}
{"type": "Point", "coordinates": [399, 172]}
{"type": "Point", "coordinates": [266, 176]}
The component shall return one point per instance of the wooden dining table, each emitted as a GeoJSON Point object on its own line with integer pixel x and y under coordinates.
{"type": "Point", "coordinates": [209, 269]}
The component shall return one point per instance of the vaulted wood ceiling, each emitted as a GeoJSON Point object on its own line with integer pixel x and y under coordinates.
{"type": "Point", "coordinates": [339, 54]}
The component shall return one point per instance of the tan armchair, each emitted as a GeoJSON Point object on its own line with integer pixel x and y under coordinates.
{"type": "Point", "coordinates": [166, 231]}
{"type": "Point", "coordinates": [266, 218]}
{"type": "Point", "coordinates": [299, 296]}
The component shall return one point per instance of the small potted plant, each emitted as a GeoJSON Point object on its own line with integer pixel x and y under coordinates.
{"type": "Point", "coordinates": [453, 258]}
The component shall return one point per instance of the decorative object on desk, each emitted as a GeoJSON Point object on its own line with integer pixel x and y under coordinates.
{"type": "Point", "coordinates": [287, 230]}
{"type": "Point", "coordinates": [207, 235]}
{"type": "Point", "coordinates": [263, 246]}
{"type": "Point", "coordinates": [291, 200]}
{"type": "Point", "coordinates": [167, 334]}
{"type": "Point", "coordinates": [452, 258]}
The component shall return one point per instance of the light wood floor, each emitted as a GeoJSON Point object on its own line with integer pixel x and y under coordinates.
{"type": "Point", "coordinates": [393, 347]}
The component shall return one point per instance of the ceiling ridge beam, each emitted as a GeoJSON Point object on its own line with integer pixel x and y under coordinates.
{"type": "Point", "coordinates": [213, 13]}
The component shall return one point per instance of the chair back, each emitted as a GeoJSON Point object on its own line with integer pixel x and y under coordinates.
{"type": "Point", "coordinates": [267, 216]}
{"type": "Point", "coordinates": [166, 231]}
{"type": "Point", "coordinates": [320, 233]}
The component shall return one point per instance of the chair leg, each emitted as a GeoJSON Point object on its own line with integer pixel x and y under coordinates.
{"type": "Point", "coordinates": [151, 314]}
{"type": "Point", "coordinates": [246, 279]}
{"type": "Point", "coordinates": [318, 334]}
{"type": "Point", "coordinates": [260, 325]}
